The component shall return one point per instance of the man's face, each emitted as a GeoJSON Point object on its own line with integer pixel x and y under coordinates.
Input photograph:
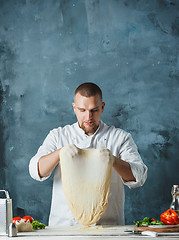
{"type": "Point", "coordinates": [88, 111]}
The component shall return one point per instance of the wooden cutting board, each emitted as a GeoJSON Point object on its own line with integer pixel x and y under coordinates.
{"type": "Point", "coordinates": [168, 229]}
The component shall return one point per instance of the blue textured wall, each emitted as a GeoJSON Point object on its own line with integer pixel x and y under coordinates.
{"type": "Point", "coordinates": [129, 48]}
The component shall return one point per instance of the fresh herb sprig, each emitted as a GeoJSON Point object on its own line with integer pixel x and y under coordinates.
{"type": "Point", "coordinates": [37, 225]}
{"type": "Point", "coordinates": [147, 221]}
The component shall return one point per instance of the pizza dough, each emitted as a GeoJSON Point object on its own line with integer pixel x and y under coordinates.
{"type": "Point", "coordinates": [86, 177]}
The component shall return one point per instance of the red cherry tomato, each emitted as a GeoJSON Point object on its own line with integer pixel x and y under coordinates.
{"type": "Point", "coordinates": [16, 219]}
{"type": "Point", "coordinates": [28, 218]}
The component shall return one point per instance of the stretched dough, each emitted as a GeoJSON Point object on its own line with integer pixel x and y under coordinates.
{"type": "Point", "coordinates": [86, 177]}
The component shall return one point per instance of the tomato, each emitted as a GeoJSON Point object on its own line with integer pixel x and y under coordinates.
{"type": "Point", "coordinates": [16, 219]}
{"type": "Point", "coordinates": [28, 218]}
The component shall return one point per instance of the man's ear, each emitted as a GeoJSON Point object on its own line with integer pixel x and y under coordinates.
{"type": "Point", "coordinates": [103, 105]}
{"type": "Point", "coordinates": [73, 104]}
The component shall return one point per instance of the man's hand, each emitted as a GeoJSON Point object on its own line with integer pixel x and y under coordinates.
{"type": "Point", "coordinates": [73, 151]}
{"type": "Point", "coordinates": [105, 155]}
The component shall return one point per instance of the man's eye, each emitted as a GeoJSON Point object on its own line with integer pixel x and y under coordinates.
{"type": "Point", "coordinates": [82, 110]}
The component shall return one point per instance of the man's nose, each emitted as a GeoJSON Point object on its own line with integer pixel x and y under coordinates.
{"type": "Point", "coordinates": [89, 114]}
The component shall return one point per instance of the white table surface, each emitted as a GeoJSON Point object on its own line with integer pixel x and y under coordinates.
{"type": "Point", "coordinates": [76, 232]}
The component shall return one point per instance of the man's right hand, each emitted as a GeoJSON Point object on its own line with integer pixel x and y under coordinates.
{"type": "Point", "coordinates": [72, 151]}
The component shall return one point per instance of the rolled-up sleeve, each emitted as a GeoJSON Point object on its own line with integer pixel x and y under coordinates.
{"type": "Point", "coordinates": [49, 145]}
{"type": "Point", "coordinates": [130, 154]}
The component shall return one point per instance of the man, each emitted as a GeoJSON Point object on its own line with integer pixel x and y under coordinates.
{"type": "Point", "coordinates": [87, 133]}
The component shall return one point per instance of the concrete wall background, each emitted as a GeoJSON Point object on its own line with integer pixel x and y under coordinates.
{"type": "Point", "coordinates": [129, 48]}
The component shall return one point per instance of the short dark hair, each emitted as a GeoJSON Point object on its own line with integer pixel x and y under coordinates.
{"type": "Point", "coordinates": [88, 89]}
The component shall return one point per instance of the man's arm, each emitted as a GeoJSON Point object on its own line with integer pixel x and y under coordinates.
{"type": "Point", "coordinates": [129, 164]}
{"type": "Point", "coordinates": [124, 170]}
{"type": "Point", "coordinates": [47, 163]}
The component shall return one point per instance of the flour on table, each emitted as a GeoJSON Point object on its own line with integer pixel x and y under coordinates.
{"type": "Point", "coordinates": [86, 177]}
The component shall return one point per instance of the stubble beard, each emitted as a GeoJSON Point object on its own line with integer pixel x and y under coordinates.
{"type": "Point", "coordinates": [89, 129]}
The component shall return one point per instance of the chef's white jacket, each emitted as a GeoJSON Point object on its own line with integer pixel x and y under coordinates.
{"type": "Point", "coordinates": [121, 145]}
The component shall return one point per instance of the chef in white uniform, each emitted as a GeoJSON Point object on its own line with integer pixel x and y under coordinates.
{"type": "Point", "coordinates": [89, 132]}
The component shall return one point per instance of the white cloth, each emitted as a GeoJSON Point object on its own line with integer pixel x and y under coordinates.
{"type": "Point", "coordinates": [119, 142]}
